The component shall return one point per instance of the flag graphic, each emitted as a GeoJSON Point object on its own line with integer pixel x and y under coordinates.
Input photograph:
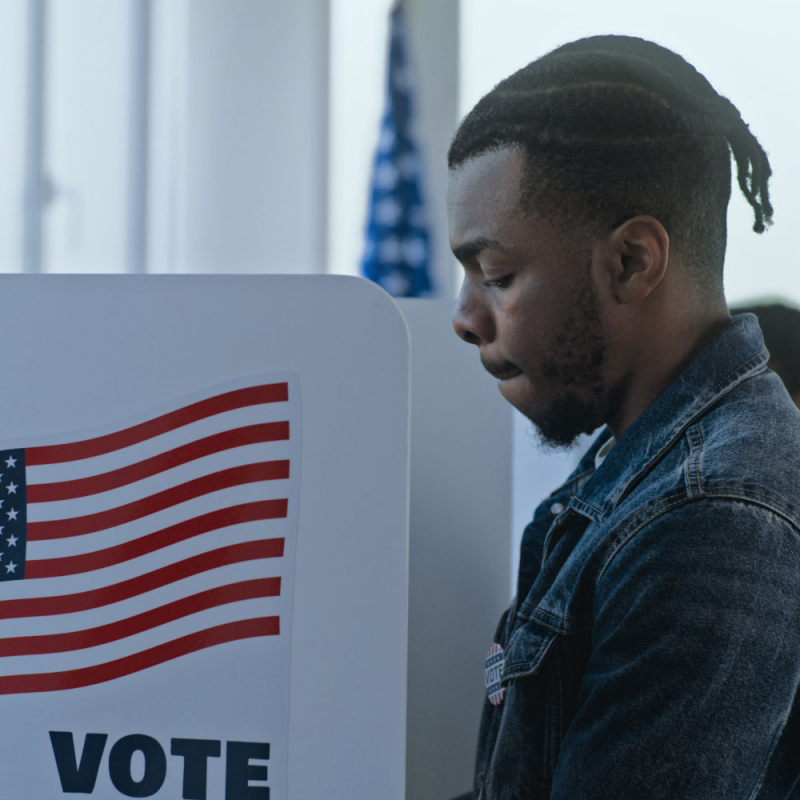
{"type": "Point", "coordinates": [397, 249]}
{"type": "Point", "coordinates": [148, 541]}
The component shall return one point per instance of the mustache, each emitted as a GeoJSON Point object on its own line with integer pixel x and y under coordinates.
{"type": "Point", "coordinates": [499, 369]}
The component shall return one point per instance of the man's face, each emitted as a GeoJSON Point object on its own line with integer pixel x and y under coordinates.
{"type": "Point", "coordinates": [528, 301]}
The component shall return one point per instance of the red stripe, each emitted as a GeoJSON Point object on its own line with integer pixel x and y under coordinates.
{"type": "Point", "coordinates": [226, 440]}
{"type": "Point", "coordinates": [239, 398]}
{"type": "Point", "coordinates": [82, 601]}
{"type": "Point", "coordinates": [222, 518]}
{"type": "Point", "coordinates": [102, 520]}
{"type": "Point", "coordinates": [103, 634]}
{"type": "Point", "coordinates": [89, 676]}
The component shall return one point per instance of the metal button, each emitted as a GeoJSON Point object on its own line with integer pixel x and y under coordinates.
{"type": "Point", "coordinates": [556, 508]}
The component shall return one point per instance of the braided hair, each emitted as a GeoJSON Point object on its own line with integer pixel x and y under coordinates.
{"type": "Point", "coordinates": [615, 126]}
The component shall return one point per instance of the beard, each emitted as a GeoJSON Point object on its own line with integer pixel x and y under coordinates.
{"type": "Point", "coordinates": [573, 373]}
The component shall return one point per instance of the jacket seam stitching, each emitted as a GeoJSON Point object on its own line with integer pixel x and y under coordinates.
{"type": "Point", "coordinates": [764, 500]}
{"type": "Point", "coordinates": [640, 521]}
{"type": "Point", "coordinates": [696, 411]}
{"type": "Point", "coordinates": [697, 459]}
{"type": "Point", "coordinates": [673, 501]}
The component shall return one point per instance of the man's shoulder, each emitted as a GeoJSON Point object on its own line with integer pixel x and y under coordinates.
{"type": "Point", "coordinates": [747, 448]}
{"type": "Point", "coordinates": [737, 466]}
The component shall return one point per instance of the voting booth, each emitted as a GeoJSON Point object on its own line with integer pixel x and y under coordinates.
{"type": "Point", "coordinates": [203, 538]}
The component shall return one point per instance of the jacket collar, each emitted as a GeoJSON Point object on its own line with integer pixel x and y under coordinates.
{"type": "Point", "coordinates": [734, 354]}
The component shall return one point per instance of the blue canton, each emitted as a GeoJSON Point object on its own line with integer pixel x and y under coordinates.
{"type": "Point", "coordinates": [397, 250]}
{"type": "Point", "coordinates": [13, 515]}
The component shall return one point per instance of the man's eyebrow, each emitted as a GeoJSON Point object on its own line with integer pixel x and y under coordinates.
{"type": "Point", "coordinates": [470, 249]}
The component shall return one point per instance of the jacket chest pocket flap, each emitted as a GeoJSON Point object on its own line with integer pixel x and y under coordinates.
{"type": "Point", "coordinates": [527, 650]}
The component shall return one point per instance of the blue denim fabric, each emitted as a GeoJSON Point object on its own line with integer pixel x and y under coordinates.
{"type": "Point", "coordinates": [653, 650]}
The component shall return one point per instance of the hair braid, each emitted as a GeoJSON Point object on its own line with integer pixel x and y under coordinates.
{"type": "Point", "coordinates": [614, 126]}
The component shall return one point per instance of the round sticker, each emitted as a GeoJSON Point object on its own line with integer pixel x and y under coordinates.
{"type": "Point", "coordinates": [495, 659]}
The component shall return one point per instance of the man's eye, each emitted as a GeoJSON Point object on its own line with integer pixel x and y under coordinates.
{"type": "Point", "coordinates": [498, 283]}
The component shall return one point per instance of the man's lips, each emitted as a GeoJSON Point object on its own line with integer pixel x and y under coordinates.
{"type": "Point", "coordinates": [505, 376]}
{"type": "Point", "coordinates": [502, 373]}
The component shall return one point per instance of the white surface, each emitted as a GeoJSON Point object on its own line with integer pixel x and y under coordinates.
{"type": "Point", "coordinates": [749, 53]}
{"type": "Point", "coordinates": [255, 137]}
{"type": "Point", "coordinates": [459, 547]}
{"type": "Point", "coordinates": [92, 349]}
{"type": "Point", "coordinates": [86, 153]}
{"type": "Point", "coordinates": [13, 51]}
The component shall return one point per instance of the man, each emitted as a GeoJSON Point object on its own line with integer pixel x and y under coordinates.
{"type": "Point", "coordinates": [653, 647]}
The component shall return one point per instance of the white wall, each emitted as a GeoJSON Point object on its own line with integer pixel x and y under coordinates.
{"type": "Point", "coordinates": [255, 136]}
{"type": "Point", "coordinates": [86, 143]}
{"type": "Point", "coordinates": [13, 51]}
{"type": "Point", "coordinates": [747, 51]}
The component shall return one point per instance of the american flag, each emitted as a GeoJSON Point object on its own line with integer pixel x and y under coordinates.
{"type": "Point", "coordinates": [147, 541]}
{"type": "Point", "coordinates": [397, 248]}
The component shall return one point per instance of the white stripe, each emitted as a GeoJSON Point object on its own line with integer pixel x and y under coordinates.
{"type": "Point", "coordinates": [130, 531]}
{"type": "Point", "coordinates": [228, 459]}
{"type": "Point", "coordinates": [92, 504]}
{"type": "Point", "coordinates": [87, 467]}
{"type": "Point", "coordinates": [56, 662]}
{"type": "Point", "coordinates": [104, 615]}
{"type": "Point", "coordinates": [88, 581]}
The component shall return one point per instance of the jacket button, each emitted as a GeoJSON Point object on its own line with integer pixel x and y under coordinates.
{"type": "Point", "coordinates": [556, 508]}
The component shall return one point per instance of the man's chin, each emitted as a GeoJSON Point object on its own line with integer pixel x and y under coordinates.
{"type": "Point", "coordinates": [561, 428]}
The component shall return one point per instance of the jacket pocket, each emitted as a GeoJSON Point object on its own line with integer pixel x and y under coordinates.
{"type": "Point", "coordinates": [529, 737]}
{"type": "Point", "coordinates": [527, 650]}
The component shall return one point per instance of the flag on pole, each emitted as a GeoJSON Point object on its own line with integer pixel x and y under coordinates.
{"type": "Point", "coordinates": [397, 250]}
{"type": "Point", "coordinates": [146, 542]}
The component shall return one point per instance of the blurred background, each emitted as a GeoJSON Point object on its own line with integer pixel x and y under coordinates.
{"type": "Point", "coordinates": [240, 135]}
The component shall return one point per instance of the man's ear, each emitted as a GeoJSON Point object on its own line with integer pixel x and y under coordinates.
{"type": "Point", "coordinates": [634, 258]}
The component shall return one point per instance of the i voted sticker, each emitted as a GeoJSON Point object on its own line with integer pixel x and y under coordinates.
{"type": "Point", "coordinates": [495, 659]}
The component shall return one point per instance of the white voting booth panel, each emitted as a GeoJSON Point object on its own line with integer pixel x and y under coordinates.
{"type": "Point", "coordinates": [461, 456]}
{"type": "Point", "coordinates": [213, 509]}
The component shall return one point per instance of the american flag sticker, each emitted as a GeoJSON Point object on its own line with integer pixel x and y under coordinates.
{"type": "Point", "coordinates": [495, 660]}
{"type": "Point", "coordinates": [151, 540]}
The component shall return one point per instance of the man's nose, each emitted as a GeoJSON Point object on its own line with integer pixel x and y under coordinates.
{"type": "Point", "coordinates": [471, 319]}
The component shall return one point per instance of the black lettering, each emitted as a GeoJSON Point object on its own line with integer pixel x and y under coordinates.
{"type": "Point", "coordinates": [155, 765]}
{"type": "Point", "coordinates": [196, 753]}
{"type": "Point", "coordinates": [77, 778]}
{"type": "Point", "coordinates": [239, 771]}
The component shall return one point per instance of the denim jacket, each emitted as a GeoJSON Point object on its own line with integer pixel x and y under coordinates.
{"type": "Point", "coordinates": [653, 649]}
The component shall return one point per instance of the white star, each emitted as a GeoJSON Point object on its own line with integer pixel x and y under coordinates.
{"type": "Point", "coordinates": [11, 462]}
{"type": "Point", "coordinates": [12, 540]}
{"type": "Point", "coordinates": [388, 211]}
{"type": "Point", "coordinates": [415, 251]}
{"type": "Point", "coordinates": [395, 284]}
{"type": "Point", "coordinates": [12, 514]}
{"type": "Point", "coordinates": [12, 488]}
{"type": "Point", "coordinates": [389, 250]}
{"type": "Point", "coordinates": [386, 142]}
{"type": "Point", "coordinates": [11, 567]}
{"type": "Point", "coordinates": [386, 175]}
